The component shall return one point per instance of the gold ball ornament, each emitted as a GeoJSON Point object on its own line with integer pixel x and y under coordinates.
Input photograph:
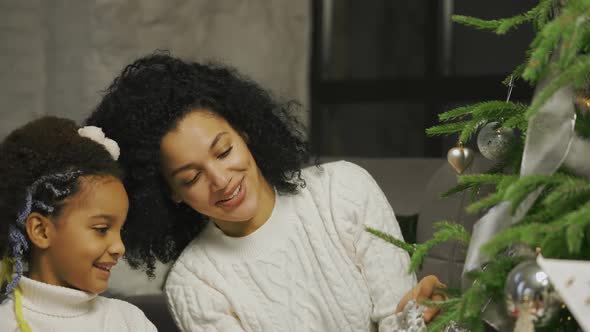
{"type": "Point", "coordinates": [460, 158]}
{"type": "Point", "coordinates": [582, 102]}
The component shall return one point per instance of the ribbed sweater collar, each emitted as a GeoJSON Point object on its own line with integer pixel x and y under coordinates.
{"type": "Point", "coordinates": [54, 300]}
{"type": "Point", "coordinates": [267, 237]}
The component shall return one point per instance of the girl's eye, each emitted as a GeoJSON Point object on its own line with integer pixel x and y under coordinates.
{"type": "Point", "coordinates": [101, 230]}
{"type": "Point", "coordinates": [225, 153]}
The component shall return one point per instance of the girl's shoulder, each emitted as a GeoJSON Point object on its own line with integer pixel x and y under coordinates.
{"type": "Point", "coordinates": [124, 307]}
{"type": "Point", "coordinates": [129, 313]}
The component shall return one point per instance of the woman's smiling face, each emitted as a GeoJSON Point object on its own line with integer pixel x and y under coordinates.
{"type": "Point", "coordinates": [209, 167]}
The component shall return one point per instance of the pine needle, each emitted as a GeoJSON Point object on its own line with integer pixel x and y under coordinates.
{"type": "Point", "coordinates": [410, 248]}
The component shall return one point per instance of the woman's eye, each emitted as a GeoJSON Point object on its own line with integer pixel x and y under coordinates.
{"type": "Point", "coordinates": [101, 230]}
{"type": "Point", "coordinates": [225, 153]}
{"type": "Point", "coordinates": [193, 180]}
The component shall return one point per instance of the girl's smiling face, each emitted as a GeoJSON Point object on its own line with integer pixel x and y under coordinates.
{"type": "Point", "coordinates": [85, 238]}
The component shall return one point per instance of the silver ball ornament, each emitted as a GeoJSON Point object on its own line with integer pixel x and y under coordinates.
{"type": "Point", "coordinates": [528, 290]}
{"type": "Point", "coordinates": [493, 140]}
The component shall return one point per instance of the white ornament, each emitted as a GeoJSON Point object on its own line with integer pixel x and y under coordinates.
{"type": "Point", "coordinates": [572, 281]}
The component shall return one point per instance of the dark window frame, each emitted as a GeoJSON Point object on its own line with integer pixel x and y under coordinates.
{"type": "Point", "coordinates": [432, 90]}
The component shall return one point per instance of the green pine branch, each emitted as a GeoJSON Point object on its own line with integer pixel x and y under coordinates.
{"type": "Point", "coordinates": [567, 34]}
{"type": "Point", "coordinates": [575, 223]}
{"type": "Point", "coordinates": [538, 15]}
{"type": "Point", "coordinates": [410, 248]}
{"type": "Point", "coordinates": [542, 14]}
{"type": "Point", "coordinates": [517, 121]}
{"type": "Point", "coordinates": [465, 182]}
{"type": "Point", "coordinates": [491, 200]}
{"type": "Point", "coordinates": [446, 128]}
{"type": "Point", "coordinates": [484, 111]}
{"type": "Point", "coordinates": [515, 75]}
{"type": "Point", "coordinates": [522, 188]}
{"type": "Point", "coordinates": [573, 189]}
{"type": "Point", "coordinates": [479, 114]}
{"type": "Point", "coordinates": [541, 49]}
{"type": "Point", "coordinates": [577, 74]}
{"type": "Point", "coordinates": [500, 26]}
{"type": "Point", "coordinates": [469, 129]}
{"type": "Point", "coordinates": [494, 198]}
{"type": "Point", "coordinates": [446, 231]}
{"type": "Point", "coordinates": [573, 40]}
{"type": "Point", "coordinates": [571, 228]}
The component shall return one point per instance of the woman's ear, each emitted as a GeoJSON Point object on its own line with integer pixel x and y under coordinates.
{"type": "Point", "coordinates": [40, 230]}
{"type": "Point", "coordinates": [175, 197]}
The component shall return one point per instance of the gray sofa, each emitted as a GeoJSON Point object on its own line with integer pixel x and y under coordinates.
{"type": "Point", "coordinates": [412, 186]}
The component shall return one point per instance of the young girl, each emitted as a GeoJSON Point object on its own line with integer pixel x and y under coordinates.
{"type": "Point", "coordinates": [62, 207]}
{"type": "Point", "coordinates": [260, 244]}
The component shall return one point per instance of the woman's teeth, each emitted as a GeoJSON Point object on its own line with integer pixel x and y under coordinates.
{"type": "Point", "coordinates": [234, 194]}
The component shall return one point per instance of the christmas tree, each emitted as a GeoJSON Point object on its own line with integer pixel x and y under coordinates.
{"type": "Point", "coordinates": [541, 201]}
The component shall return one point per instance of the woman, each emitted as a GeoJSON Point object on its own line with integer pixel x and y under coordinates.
{"type": "Point", "coordinates": [216, 183]}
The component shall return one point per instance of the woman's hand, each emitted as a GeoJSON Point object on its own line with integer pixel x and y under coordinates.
{"type": "Point", "coordinates": [429, 288]}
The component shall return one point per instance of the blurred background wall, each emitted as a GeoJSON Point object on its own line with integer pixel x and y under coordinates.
{"type": "Point", "coordinates": [57, 55]}
{"type": "Point", "coordinates": [371, 75]}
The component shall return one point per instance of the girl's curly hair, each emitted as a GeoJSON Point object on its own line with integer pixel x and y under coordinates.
{"type": "Point", "coordinates": [46, 150]}
{"type": "Point", "coordinates": [147, 100]}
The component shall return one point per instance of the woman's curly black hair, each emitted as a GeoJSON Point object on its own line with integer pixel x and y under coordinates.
{"type": "Point", "coordinates": [43, 150]}
{"type": "Point", "coordinates": [147, 100]}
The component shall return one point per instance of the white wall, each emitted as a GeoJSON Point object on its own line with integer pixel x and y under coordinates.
{"type": "Point", "coordinates": [57, 55]}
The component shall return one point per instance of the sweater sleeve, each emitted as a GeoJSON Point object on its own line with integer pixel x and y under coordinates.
{"type": "Point", "coordinates": [358, 202]}
{"type": "Point", "coordinates": [199, 306]}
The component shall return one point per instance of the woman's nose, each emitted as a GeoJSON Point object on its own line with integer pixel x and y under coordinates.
{"type": "Point", "coordinates": [219, 179]}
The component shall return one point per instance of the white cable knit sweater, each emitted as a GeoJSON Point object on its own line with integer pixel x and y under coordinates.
{"type": "Point", "coordinates": [53, 308]}
{"type": "Point", "coordinates": [310, 267]}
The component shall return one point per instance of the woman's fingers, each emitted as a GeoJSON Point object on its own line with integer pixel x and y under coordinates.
{"type": "Point", "coordinates": [411, 295]}
{"type": "Point", "coordinates": [431, 312]}
{"type": "Point", "coordinates": [430, 285]}
{"type": "Point", "coordinates": [429, 288]}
